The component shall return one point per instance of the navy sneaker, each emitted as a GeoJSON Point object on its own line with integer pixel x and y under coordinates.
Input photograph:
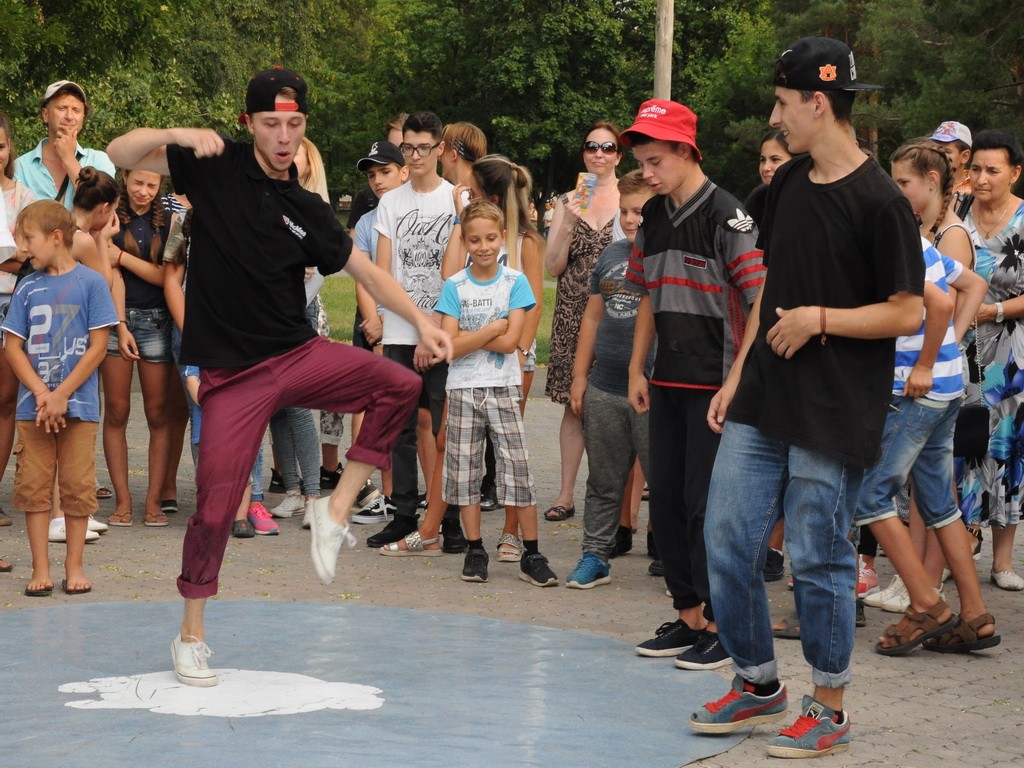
{"type": "Point", "coordinates": [739, 708]}
{"type": "Point", "coordinates": [590, 572]}
{"type": "Point", "coordinates": [670, 639]}
{"type": "Point", "coordinates": [706, 653]}
{"type": "Point", "coordinates": [814, 734]}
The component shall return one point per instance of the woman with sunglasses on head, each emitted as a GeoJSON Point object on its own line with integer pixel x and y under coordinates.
{"type": "Point", "coordinates": [581, 228]}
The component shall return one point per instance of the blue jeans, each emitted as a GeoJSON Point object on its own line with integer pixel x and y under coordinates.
{"type": "Point", "coordinates": [917, 441]}
{"type": "Point", "coordinates": [756, 479]}
{"type": "Point", "coordinates": [295, 440]}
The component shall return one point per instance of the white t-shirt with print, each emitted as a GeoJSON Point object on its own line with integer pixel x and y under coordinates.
{"type": "Point", "coordinates": [418, 225]}
{"type": "Point", "coordinates": [476, 304]}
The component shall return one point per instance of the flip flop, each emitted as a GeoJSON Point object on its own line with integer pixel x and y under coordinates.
{"type": "Point", "coordinates": [558, 513]}
{"type": "Point", "coordinates": [46, 592]}
{"type": "Point", "coordinates": [169, 506]}
{"type": "Point", "coordinates": [120, 519]}
{"type": "Point", "coordinates": [790, 629]}
{"type": "Point", "coordinates": [158, 520]}
{"type": "Point", "coordinates": [103, 493]}
{"type": "Point", "coordinates": [64, 586]}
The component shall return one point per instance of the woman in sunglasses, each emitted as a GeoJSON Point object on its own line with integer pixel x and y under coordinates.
{"type": "Point", "coordinates": [580, 230]}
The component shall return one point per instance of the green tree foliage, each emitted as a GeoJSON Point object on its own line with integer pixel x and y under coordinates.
{"type": "Point", "coordinates": [532, 73]}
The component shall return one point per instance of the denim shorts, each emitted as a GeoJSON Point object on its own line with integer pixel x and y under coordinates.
{"type": "Point", "coordinates": [152, 331]}
{"type": "Point", "coordinates": [917, 442]}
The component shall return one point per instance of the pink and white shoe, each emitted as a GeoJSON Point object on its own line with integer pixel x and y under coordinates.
{"type": "Point", "coordinates": [261, 520]}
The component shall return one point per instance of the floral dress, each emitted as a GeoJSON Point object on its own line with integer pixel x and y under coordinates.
{"type": "Point", "coordinates": [571, 298]}
{"type": "Point", "coordinates": [991, 489]}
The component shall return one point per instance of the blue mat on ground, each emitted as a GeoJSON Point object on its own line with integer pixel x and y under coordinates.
{"type": "Point", "coordinates": [341, 685]}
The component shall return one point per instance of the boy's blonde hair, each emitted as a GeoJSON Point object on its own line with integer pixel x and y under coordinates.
{"type": "Point", "coordinates": [483, 209]}
{"type": "Point", "coordinates": [634, 183]}
{"type": "Point", "coordinates": [47, 216]}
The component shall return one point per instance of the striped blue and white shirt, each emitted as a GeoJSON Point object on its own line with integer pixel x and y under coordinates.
{"type": "Point", "coordinates": [947, 374]}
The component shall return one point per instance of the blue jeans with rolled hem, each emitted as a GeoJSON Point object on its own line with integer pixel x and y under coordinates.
{"type": "Point", "coordinates": [756, 479]}
{"type": "Point", "coordinates": [917, 442]}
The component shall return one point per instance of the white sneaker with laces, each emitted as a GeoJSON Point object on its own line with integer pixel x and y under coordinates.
{"type": "Point", "coordinates": [58, 533]}
{"type": "Point", "coordinates": [190, 663]}
{"type": "Point", "coordinates": [898, 601]}
{"type": "Point", "coordinates": [293, 502]}
{"type": "Point", "coordinates": [326, 540]}
{"type": "Point", "coordinates": [875, 600]}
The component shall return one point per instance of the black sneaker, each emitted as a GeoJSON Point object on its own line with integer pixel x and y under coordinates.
{"type": "Point", "coordinates": [329, 480]}
{"type": "Point", "coordinates": [455, 541]}
{"type": "Point", "coordinates": [652, 550]}
{"type": "Point", "coordinates": [379, 511]}
{"type": "Point", "coordinates": [400, 527]}
{"type": "Point", "coordinates": [276, 482]}
{"type": "Point", "coordinates": [670, 639]}
{"type": "Point", "coordinates": [366, 496]}
{"type": "Point", "coordinates": [706, 653]}
{"type": "Point", "coordinates": [623, 541]}
{"type": "Point", "coordinates": [534, 569]}
{"type": "Point", "coordinates": [656, 568]}
{"type": "Point", "coordinates": [774, 565]}
{"type": "Point", "coordinates": [474, 568]}
{"type": "Point", "coordinates": [242, 529]}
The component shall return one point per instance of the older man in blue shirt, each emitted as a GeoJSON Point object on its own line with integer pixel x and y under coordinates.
{"type": "Point", "coordinates": [51, 169]}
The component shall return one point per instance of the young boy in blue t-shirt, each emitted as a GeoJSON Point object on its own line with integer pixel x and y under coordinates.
{"type": "Point", "coordinates": [55, 336]}
{"type": "Point", "coordinates": [483, 308]}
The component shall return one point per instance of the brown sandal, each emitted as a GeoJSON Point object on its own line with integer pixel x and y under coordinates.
{"type": "Point", "coordinates": [558, 513]}
{"type": "Point", "coordinates": [120, 519]}
{"type": "Point", "coordinates": [964, 637]}
{"type": "Point", "coordinates": [914, 628]}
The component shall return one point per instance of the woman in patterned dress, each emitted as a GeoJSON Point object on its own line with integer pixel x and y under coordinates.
{"type": "Point", "coordinates": [992, 489]}
{"type": "Point", "coordinates": [575, 240]}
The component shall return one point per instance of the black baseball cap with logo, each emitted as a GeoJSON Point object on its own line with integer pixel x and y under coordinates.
{"type": "Point", "coordinates": [819, 64]}
{"type": "Point", "coordinates": [381, 153]}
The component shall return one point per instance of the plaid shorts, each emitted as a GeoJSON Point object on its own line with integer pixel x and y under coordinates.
{"type": "Point", "coordinates": [470, 413]}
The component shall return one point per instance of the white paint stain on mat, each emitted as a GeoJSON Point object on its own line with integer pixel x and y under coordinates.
{"type": "Point", "coordinates": [240, 693]}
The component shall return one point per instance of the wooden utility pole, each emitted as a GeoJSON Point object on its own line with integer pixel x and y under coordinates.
{"type": "Point", "coordinates": [663, 49]}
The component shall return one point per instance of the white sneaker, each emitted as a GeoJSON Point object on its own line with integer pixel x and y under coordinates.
{"type": "Point", "coordinates": [898, 601]}
{"type": "Point", "coordinates": [97, 526]}
{"type": "Point", "coordinates": [293, 502]}
{"type": "Point", "coordinates": [59, 534]}
{"type": "Point", "coordinates": [190, 663]}
{"type": "Point", "coordinates": [875, 600]}
{"type": "Point", "coordinates": [326, 540]}
{"type": "Point", "coordinates": [307, 515]}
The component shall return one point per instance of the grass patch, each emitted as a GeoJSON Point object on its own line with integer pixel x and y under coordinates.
{"type": "Point", "coordinates": [339, 297]}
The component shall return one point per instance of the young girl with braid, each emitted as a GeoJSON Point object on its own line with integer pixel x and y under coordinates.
{"type": "Point", "coordinates": [144, 336]}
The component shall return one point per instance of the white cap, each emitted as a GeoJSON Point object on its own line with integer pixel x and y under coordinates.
{"type": "Point", "coordinates": [952, 131]}
{"type": "Point", "coordinates": [67, 85]}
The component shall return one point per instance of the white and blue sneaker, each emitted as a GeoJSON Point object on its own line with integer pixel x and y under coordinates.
{"type": "Point", "coordinates": [814, 734]}
{"type": "Point", "coordinates": [591, 571]}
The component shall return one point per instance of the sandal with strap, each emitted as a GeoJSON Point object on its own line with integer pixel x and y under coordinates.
{"type": "Point", "coordinates": [788, 628]}
{"type": "Point", "coordinates": [915, 628]}
{"type": "Point", "coordinates": [964, 637]}
{"type": "Point", "coordinates": [120, 519]}
{"type": "Point", "coordinates": [415, 546]}
{"type": "Point", "coordinates": [510, 548]}
{"type": "Point", "coordinates": [558, 513]}
{"type": "Point", "coordinates": [156, 520]}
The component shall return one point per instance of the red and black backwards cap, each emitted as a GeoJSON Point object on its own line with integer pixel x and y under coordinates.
{"type": "Point", "coordinates": [262, 92]}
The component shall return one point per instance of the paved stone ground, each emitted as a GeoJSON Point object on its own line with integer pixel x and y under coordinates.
{"type": "Point", "coordinates": [918, 711]}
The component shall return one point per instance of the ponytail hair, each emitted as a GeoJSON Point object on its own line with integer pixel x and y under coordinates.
{"type": "Point", "coordinates": [924, 156]}
{"type": "Point", "coordinates": [315, 178]}
{"type": "Point", "coordinates": [498, 177]}
{"type": "Point", "coordinates": [156, 220]}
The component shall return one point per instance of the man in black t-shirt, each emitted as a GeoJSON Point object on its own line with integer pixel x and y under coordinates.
{"type": "Point", "coordinates": [254, 231]}
{"type": "Point", "coordinates": [803, 408]}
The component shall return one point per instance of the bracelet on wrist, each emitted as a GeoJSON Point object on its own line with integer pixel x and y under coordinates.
{"type": "Point", "coordinates": [824, 337]}
{"type": "Point", "coordinates": [999, 312]}
{"type": "Point", "coordinates": [120, 254]}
